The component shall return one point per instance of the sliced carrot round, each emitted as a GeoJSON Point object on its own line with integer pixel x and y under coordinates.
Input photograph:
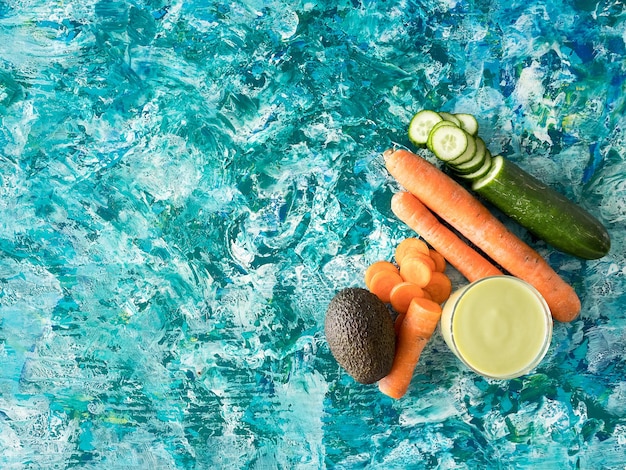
{"type": "Point", "coordinates": [409, 245]}
{"type": "Point", "coordinates": [402, 294]}
{"type": "Point", "coordinates": [440, 261]}
{"type": "Point", "coordinates": [375, 268]}
{"type": "Point", "coordinates": [416, 270]}
{"type": "Point", "coordinates": [383, 282]}
{"type": "Point", "coordinates": [426, 258]}
{"type": "Point", "coordinates": [439, 288]}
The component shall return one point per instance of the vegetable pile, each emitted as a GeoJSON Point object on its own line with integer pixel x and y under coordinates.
{"type": "Point", "coordinates": [549, 215]}
{"type": "Point", "coordinates": [453, 225]}
{"type": "Point", "coordinates": [429, 186]}
{"type": "Point", "coordinates": [413, 288]}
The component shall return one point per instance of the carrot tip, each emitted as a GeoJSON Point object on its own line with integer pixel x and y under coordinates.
{"type": "Point", "coordinates": [388, 389]}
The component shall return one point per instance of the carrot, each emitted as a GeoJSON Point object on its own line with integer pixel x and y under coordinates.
{"type": "Point", "coordinates": [439, 287]}
{"type": "Point", "coordinates": [397, 324]}
{"type": "Point", "coordinates": [440, 261]}
{"type": "Point", "coordinates": [416, 269]}
{"type": "Point", "coordinates": [402, 294]}
{"type": "Point", "coordinates": [375, 268]}
{"type": "Point", "coordinates": [410, 245]}
{"type": "Point", "coordinates": [465, 259]}
{"type": "Point", "coordinates": [453, 203]}
{"type": "Point", "coordinates": [414, 333]}
{"type": "Point", "coordinates": [383, 282]}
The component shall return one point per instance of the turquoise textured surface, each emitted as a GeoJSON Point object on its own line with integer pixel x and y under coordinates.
{"type": "Point", "coordinates": [185, 185]}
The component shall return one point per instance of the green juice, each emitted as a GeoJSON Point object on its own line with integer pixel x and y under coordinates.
{"type": "Point", "coordinates": [498, 326]}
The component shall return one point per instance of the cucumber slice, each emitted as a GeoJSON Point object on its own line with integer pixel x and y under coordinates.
{"type": "Point", "coordinates": [468, 123]}
{"type": "Point", "coordinates": [429, 142]}
{"type": "Point", "coordinates": [482, 171]}
{"type": "Point", "coordinates": [476, 162]}
{"type": "Point", "coordinates": [448, 142]}
{"type": "Point", "coordinates": [466, 156]}
{"type": "Point", "coordinates": [450, 117]}
{"type": "Point", "coordinates": [421, 125]}
{"type": "Point", "coordinates": [543, 211]}
{"type": "Point", "coordinates": [440, 124]}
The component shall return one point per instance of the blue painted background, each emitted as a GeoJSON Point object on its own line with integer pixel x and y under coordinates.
{"type": "Point", "coordinates": [185, 185]}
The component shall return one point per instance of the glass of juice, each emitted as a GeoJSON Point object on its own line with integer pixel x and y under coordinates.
{"type": "Point", "coordinates": [499, 326]}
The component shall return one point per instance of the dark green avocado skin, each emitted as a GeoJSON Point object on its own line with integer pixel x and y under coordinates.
{"type": "Point", "coordinates": [360, 334]}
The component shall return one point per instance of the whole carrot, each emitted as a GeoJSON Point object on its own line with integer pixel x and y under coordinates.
{"type": "Point", "coordinates": [414, 332]}
{"type": "Point", "coordinates": [458, 253]}
{"type": "Point", "coordinates": [465, 213]}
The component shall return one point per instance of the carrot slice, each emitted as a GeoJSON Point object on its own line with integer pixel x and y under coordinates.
{"type": "Point", "coordinates": [416, 270]}
{"type": "Point", "coordinates": [383, 282]}
{"type": "Point", "coordinates": [440, 261]}
{"type": "Point", "coordinates": [414, 332]}
{"type": "Point", "coordinates": [410, 245]}
{"type": "Point", "coordinates": [426, 258]}
{"type": "Point", "coordinates": [375, 268]}
{"type": "Point", "coordinates": [402, 294]}
{"type": "Point", "coordinates": [459, 208]}
{"type": "Point", "coordinates": [439, 287]}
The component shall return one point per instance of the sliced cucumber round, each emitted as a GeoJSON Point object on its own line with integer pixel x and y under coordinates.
{"type": "Point", "coordinates": [429, 142]}
{"type": "Point", "coordinates": [421, 125]}
{"type": "Point", "coordinates": [440, 124]}
{"type": "Point", "coordinates": [468, 123]}
{"type": "Point", "coordinates": [466, 156]}
{"type": "Point", "coordinates": [450, 117]}
{"type": "Point", "coordinates": [476, 162]}
{"type": "Point", "coordinates": [482, 171]}
{"type": "Point", "coordinates": [448, 142]}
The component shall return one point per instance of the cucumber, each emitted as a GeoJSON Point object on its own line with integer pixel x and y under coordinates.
{"type": "Point", "coordinates": [466, 156]}
{"type": "Point", "coordinates": [543, 211]}
{"type": "Point", "coordinates": [448, 142]}
{"type": "Point", "coordinates": [441, 123]}
{"type": "Point", "coordinates": [450, 118]}
{"type": "Point", "coordinates": [421, 125]}
{"type": "Point", "coordinates": [429, 142]}
{"type": "Point", "coordinates": [477, 160]}
{"type": "Point", "coordinates": [480, 172]}
{"type": "Point", "coordinates": [468, 123]}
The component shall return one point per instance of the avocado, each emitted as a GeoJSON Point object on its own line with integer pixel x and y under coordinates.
{"type": "Point", "coordinates": [360, 334]}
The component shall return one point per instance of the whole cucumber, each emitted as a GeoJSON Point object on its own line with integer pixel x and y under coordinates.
{"type": "Point", "coordinates": [543, 211]}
